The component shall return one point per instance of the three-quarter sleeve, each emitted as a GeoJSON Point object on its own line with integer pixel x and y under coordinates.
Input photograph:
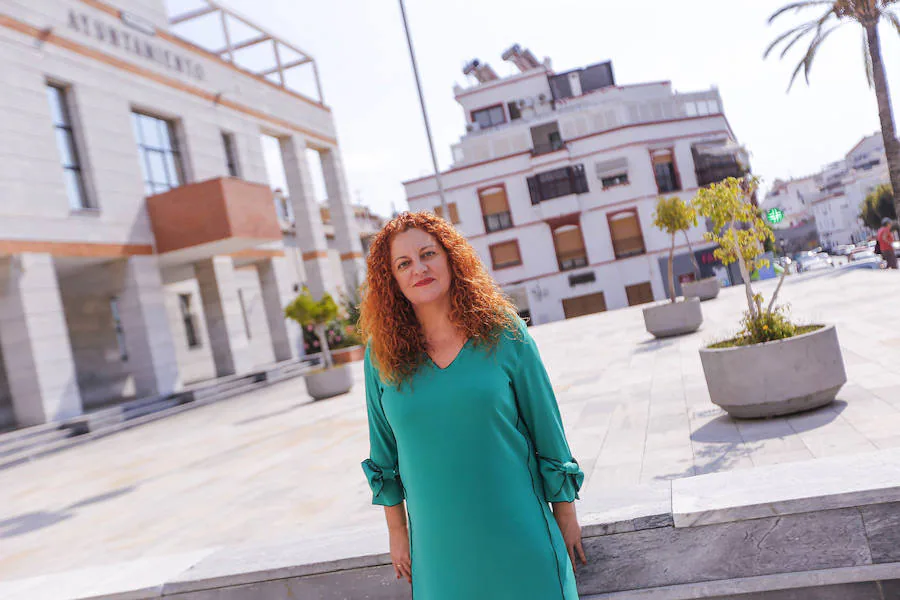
{"type": "Point", "coordinates": [381, 468]}
{"type": "Point", "coordinates": [561, 475]}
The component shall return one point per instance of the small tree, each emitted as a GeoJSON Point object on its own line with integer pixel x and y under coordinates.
{"type": "Point", "coordinates": [878, 205]}
{"type": "Point", "coordinates": [741, 234]}
{"type": "Point", "coordinates": [673, 215]}
{"type": "Point", "coordinates": [306, 310]}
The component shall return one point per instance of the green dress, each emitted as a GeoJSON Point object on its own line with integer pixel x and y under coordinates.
{"type": "Point", "coordinates": [478, 450]}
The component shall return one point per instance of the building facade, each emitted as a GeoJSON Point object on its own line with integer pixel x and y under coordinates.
{"type": "Point", "coordinates": [556, 180]}
{"type": "Point", "coordinates": [140, 247]}
{"type": "Point", "coordinates": [832, 197]}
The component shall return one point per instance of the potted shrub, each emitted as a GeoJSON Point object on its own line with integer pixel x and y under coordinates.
{"type": "Point", "coordinates": [772, 366]}
{"type": "Point", "coordinates": [330, 380]}
{"type": "Point", "coordinates": [673, 318]}
{"type": "Point", "coordinates": [344, 336]}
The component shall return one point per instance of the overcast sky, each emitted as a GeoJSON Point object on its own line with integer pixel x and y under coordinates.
{"type": "Point", "coordinates": [696, 44]}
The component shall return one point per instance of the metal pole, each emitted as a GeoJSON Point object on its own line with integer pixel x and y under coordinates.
{"type": "Point", "coordinates": [412, 57]}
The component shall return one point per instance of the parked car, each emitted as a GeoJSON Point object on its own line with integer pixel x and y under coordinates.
{"type": "Point", "coordinates": [862, 254]}
{"type": "Point", "coordinates": [813, 263]}
{"type": "Point", "coordinates": [844, 250]}
{"type": "Point", "coordinates": [870, 262]}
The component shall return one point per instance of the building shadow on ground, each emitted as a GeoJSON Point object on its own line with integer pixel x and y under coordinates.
{"type": "Point", "coordinates": [34, 521]}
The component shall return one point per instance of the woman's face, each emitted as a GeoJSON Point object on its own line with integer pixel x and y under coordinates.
{"type": "Point", "coordinates": [420, 266]}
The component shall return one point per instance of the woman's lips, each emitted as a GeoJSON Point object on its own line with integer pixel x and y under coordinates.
{"type": "Point", "coordinates": [424, 282]}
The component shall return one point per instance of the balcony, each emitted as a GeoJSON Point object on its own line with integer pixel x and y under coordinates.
{"type": "Point", "coordinates": [714, 162]}
{"type": "Point", "coordinates": [546, 138]}
{"type": "Point", "coordinates": [214, 217]}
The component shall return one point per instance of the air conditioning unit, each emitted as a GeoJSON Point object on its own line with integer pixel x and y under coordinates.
{"type": "Point", "coordinates": [470, 127]}
{"type": "Point", "coordinates": [521, 102]}
{"type": "Point", "coordinates": [542, 98]}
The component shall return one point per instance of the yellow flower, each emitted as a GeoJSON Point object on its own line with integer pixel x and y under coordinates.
{"type": "Point", "coordinates": [765, 327]}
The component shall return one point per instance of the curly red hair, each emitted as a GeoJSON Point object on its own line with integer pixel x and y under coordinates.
{"type": "Point", "coordinates": [387, 321]}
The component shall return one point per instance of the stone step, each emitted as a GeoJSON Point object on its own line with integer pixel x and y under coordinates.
{"type": "Point", "coordinates": [51, 438]}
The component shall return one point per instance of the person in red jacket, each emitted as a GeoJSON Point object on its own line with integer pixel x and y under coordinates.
{"type": "Point", "coordinates": [886, 243]}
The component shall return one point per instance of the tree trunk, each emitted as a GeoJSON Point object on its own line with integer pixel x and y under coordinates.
{"type": "Point", "coordinates": [745, 273]}
{"type": "Point", "coordinates": [691, 250]}
{"type": "Point", "coordinates": [885, 114]}
{"type": "Point", "coordinates": [672, 270]}
{"type": "Point", "coordinates": [323, 342]}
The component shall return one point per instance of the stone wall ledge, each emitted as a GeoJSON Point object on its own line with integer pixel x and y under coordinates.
{"type": "Point", "coordinates": [832, 524]}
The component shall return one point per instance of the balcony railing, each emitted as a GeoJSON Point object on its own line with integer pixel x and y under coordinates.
{"type": "Point", "coordinates": [497, 221]}
{"type": "Point", "coordinates": [547, 147]}
{"type": "Point", "coordinates": [572, 263]}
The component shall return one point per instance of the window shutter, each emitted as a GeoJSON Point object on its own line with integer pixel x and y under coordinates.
{"type": "Point", "coordinates": [506, 254]}
{"type": "Point", "coordinates": [626, 234]}
{"type": "Point", "coordinates": [454, 214]}
{"type": "Point", "coordinates": [569, 243]}
{"type": "Point", "coordinates": [534, 189]}
{"type": "Point", "coordinates": [493, 201]}
{"type": "Point", "coordinates": [662, 156]}
{"type": "Point", "coordinates": [615, 166]}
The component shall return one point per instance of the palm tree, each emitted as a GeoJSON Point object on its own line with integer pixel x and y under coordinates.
{"type": "Point", "coordinates": [867, 14]}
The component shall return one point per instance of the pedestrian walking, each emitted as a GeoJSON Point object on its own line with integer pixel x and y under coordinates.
{"type": "Point", "coordinates": [886, 243]}
{"type": "Point", "coordinates": [463, 426]}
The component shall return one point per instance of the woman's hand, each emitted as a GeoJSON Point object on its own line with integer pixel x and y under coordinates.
{"type": "Point", "coordinates": [400, 554]}
{"type": "Point", "coordinates": [564, 512]}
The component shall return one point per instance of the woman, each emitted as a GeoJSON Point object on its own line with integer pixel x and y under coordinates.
{"type": "Point", "coordinates": [464, 425]}
{"type": "Point", "coordinates": [886, 243]}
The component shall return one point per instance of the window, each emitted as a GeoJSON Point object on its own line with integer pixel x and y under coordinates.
{"type": "Point", "coordinates": [546, 138]}
{"type": "Point", "coordinates": [230, 154]}
{"type": "Point", "coordinates": [187, 316]}
{"type": "Point", "coordinates": [120, 330]}
{"type": "Point", "coordinates": [612, 172]}
{"type": "Point", "coordinates": [664, 169]}
{"type": "Point", "coordinates": [159, 155]}
{"type": "Point", "coordinates": [244, 314]}
{"type": "Point", "coordinates": [514, 111]}
{"type": "Point", "coordinates": [495, 208]}
{"type": "Point", "coordinates": [454, 213]}
{"type": "Point", "coordinates": [68, 151]}
{"type": "Point", "coordinates": [556, 183]}
{"type": "Point", "coordinates": [489, 117]}
{"type": "Point", "coordinates": [569, 244]}
{"type": "Point", "coordinates": [584, 305]}
{"type": "Point", "coordinates": [505, 254]}
{"type": "Point", "coordinates": [625, 232]}
{"type": "Point", "coordinates": [639, 293]}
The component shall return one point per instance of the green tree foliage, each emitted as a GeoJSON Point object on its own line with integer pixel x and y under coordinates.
{"type": "Point", "coordinates": [306, 310]}
{"type": "Point", "coordinates": [671, 216]}
{"type": "Point", "coordinates": [834, 14]}
{"type": "Point", "coordinates": [741, 234]}
{"type": "Point", "coordinates": [878, 205]}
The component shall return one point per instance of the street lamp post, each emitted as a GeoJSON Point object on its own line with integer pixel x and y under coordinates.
{"type": "Point", "coordinates": [412, 57]}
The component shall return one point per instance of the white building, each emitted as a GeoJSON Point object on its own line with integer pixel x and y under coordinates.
{"type": "Point", "coordinates": [556, 180]}
{"type": "Point", "coordinates": [833, 196]}
{"type": "Point", "coordinates": [139, 243]}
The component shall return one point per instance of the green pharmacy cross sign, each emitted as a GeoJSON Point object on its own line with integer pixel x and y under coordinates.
{"type": "Point", "coordinates": [775, 215]}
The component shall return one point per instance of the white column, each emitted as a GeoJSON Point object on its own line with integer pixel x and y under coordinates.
{"type": "Point", "coordinates": [35, 341]}
{"type": "Point", "coordinates": [145, 324]}
{"type": "Point", "coordinates": [346, 232]}
{"type": "Point", "coordinates": [276, 283]}
{"type": "Point", "coordinates": [224, 319]}
{"type": "Point", "coordinates": [310, 231]}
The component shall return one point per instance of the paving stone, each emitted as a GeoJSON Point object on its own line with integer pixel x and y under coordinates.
{"type": "Point", "coordinates": [882, 523]}
{"type": "Point", "coordinates": [847, 591]}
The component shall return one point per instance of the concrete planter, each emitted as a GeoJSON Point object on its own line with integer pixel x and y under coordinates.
{"type": "Point", "coordinates": [776, 378]}
{"type": "Point", "coordinates": [348, 355]}
{"type": "Point", "coordinates": [673, 318]}
{"type": "Point", "coordinates": [705, 289]}
{"type": "Point", "coordinates": [330, 382]}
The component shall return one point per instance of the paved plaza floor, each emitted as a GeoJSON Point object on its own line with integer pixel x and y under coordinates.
{"type": "Point", "coordinates": [272, 465]}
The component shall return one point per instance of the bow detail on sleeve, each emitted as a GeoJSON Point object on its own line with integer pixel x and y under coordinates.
{"type": "Point", "coordinates": [562, 480]}
{"type": "Point", "coordinates": [385, 483]}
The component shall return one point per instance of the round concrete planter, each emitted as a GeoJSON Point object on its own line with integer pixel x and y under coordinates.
{"type": "Point", "coordinates": [705, 289]}
{"type": "Point", "coordinates": [329, 382]}
{"type": "Point", "coordinates": [673, 318]}
{"type": "Point", "coordinates": [348, 355]}
{"type": "Point", "coordinates": [776, 378]}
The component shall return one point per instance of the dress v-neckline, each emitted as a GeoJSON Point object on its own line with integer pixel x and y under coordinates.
{"type": "Point", "coordinates": [451, 363]}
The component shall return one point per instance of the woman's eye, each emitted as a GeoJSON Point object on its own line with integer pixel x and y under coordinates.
{"type": "Point", "coordinates": [403, 265]}
{"type": "Point", "coordinates": [428, 253]}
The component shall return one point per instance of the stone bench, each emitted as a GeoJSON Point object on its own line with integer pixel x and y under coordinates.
{"type": "Point", "coordinates": [823, 529]}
